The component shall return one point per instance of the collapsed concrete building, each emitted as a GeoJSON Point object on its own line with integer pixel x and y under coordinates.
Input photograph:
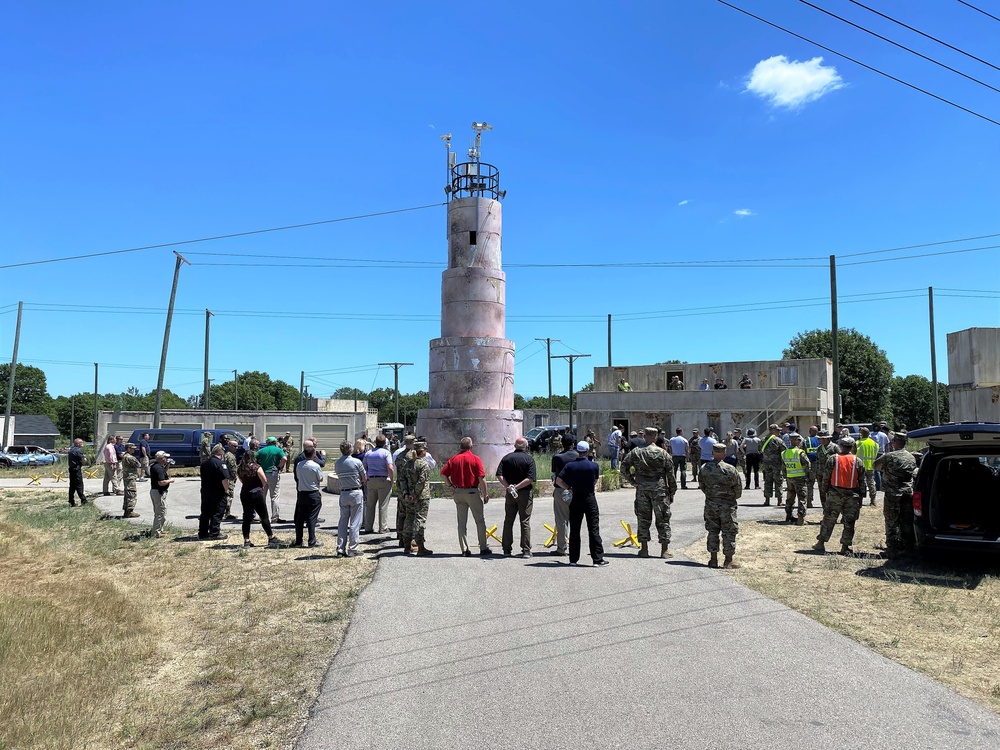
{"type": "Point", "coordinates": [790, 390]}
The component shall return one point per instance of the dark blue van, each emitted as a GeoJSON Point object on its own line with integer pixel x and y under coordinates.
{"type": "Point", "coordinates": [184, 446]}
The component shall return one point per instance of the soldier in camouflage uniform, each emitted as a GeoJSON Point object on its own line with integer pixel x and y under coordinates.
{"type": "Point", "coordinates": [694, 454]}
{"type": "Point", "coordinates": [844, 496]}
{"type": "Point", "coordinates": [898, 467]}
{"type": "Point", "coordinates": [592, 442]}
{"type": "Point", "coordinates": [287, 444]}
{"type": "Point", "coordinates": [651, 470]}
{"type": "Point", "coordinates": [555, 443]}
{"type": "Point", "coordinates": [416, 490]}
{"type": "Point", "coordinates": [771, 450]}
{"type": "Point", "coordinates": [795, 470]}
{"type": "Point", "coordinates": [130, 467]}
{"type": "Point", "coordinates": [230, 459]}
{"type": "Point", "coordinates": [722, 487]}
{"type": "Point", "coordinates": [741, 457]}
{"type": "Point", "coordinates": [205, 451]}
{"type": "Point", "coordinates": [825, 450]}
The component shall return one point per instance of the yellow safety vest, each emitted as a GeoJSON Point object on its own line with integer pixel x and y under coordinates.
{"type": "Point", "coordinates": [867, 451]}
{"type": "Point", "coordinates": [793, 462]}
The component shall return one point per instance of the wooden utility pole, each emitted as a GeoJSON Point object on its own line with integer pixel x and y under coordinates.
{"type": "Point", "coordinates": [571, 358]}
{"type": "Point", "coordinates": [934, 380]}
{"type": "Point", "coordinates": [166, 339]}
{"type": "Point", "coordinates": [95, 405]}
{"type": "Point", "coordinates": [395, 368]}
{"type": "Point", "coordinates": [10, 380]}
{"type": "Point", "coordinates": [548, 354]}
{"type": "Point", "coordinates": [609, 339]}
{"type": "Point", "coordinates": [208, 317]}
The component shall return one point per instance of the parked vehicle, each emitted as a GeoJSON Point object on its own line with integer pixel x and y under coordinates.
{"type": "Point", "coordinates": [27, 455]}
{"type": "Point", "coordinates": [956, 495]}
{"type": "Point", "coordinates": [539, 442]}
{"type": "Point", "coordinates": [184, 446]}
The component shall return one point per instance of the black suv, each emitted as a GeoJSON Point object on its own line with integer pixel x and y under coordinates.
{"type": "Point", "coordinates": [956, 495]}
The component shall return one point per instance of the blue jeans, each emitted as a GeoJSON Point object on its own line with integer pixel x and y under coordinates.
{"type": "Point", "coordinates": [614, 458]}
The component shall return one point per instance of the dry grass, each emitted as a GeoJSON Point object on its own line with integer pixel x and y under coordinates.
{"type": "Point", "coordinates": [939, 616]}
{"type": "Point", "coordinates": [109, 639]}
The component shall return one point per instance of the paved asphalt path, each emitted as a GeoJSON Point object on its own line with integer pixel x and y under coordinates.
{"type": "Point", "coordinates": [454, 652]}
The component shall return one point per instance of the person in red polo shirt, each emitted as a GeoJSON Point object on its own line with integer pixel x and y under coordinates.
{"type": "Point", "coordinates": [465, 474]}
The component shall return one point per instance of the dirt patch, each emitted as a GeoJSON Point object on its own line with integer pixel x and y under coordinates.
{"type": "Point", "coordinates": [937, 615]}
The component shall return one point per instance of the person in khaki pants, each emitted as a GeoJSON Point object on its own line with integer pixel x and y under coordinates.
{"type": "Point", "coordinates": [465, 474]}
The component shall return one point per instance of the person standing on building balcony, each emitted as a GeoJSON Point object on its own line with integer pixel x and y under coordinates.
{"type": "Point", "coordinates": [745, 383]}
{"type": "Point", "coordinates": [623, 386]}
{"type": "Point", "coordinates": [704, 385]}
{"type": "Point", "coordinates": [675, 384]}
{"type": "Point", "coordinates": [720, 384]}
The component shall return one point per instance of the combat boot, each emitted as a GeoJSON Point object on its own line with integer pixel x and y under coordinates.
{"type": "Point", "coordinates": [422, 551]}
{"type": "Point", "coordinates": [663, 551]}
{"type": "Point", "coordinates": [405, 542]}
{"type": "Point", "coordinates": [767, 501]}
{"type": "Point", "coordinates": [728, 563]}
{"type": "Point", "coordinates": [809, 503]}
{"type": "Point", "coordinates": [800, 521]}
{"type": "Point", "coordinates": [643, 549]}
{"type": "Point", "coordinates": [846, 550]}
{"type": "Point", "coordinates": [788, 517]}
{"type": "Point", "coordinates": [819, 547]}
{"type": "Point", "coordinates": [713, 561]}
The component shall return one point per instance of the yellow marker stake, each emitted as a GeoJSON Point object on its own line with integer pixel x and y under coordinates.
{"type": "Point", "coordinates": [91, 473]}
{"type": "Point", "coordinates": [630, 539]}
{"type": "Point", "coordinates": [58, 476]}
{"type": "Point", "coordinates": [552, 538]}
{"type": "Point", "coordinates": [492, 532]}
{"type": "Point", "coordinates": [35, 479]}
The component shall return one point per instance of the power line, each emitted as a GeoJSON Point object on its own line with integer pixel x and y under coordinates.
{"type": "Point", "coordinates": [901, 46]}
{"type": "Point", "coordinates": [970, 5]}
{"type": "Point", "coordinates": [919, 255]}
{"type": "Point", "coordinates": [914, 247]}
{"type": "Point", "coordinates": [863, 65]}
{"type": "Point", "coordinates": [221, 236]}
{"type": "Point", "coordinates": [927, 36]}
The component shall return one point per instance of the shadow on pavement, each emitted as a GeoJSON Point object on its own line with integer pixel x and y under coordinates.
{"type": "Point", "coordinates": [686, 563]}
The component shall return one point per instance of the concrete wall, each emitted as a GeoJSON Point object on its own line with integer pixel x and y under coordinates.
{"type": "Point", "coordinates": [262, 424]}
{"type": "Point", "coordinates": [974, 404]}
{"type": "Point", "coordinates": [816, 373]}
{"type": "Point", "coordinates": [542, 417]}
{"type": "Point", "coordinates": [974, 358]}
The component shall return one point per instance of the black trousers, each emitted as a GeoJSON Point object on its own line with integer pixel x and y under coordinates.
{"type": "Point", "coordinates": [680, 465]}
{"type": "Point", "coordinates": [753, 464]}
{"type": "Point", "coordinates": [76, 486]}
{"type": "Point", "coordinates": [580, 507]}
{"type": "Point", "coordinates": [255, 501]}
{"type": "Point", "coordinates": [307, 506]}
{"type": "Point", "coordinates": [213, 508]}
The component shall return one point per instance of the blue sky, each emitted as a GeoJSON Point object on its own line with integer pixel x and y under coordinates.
{"type": "Point", "coordinates": [625, 133]}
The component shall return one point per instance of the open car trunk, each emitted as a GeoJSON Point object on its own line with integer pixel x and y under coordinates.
{"type": "Point", "coordinates": [965, 497]}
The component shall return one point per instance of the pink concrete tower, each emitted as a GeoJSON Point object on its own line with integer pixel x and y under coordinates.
{"type": "Point", "coordinates": [472, 364]}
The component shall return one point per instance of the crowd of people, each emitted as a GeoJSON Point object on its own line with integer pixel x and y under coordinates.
{"type": "Point", "coordinates": [841, 470]}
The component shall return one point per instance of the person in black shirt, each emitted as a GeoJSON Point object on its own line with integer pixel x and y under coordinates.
{"type": "Point", "coordinates": [159, 485]}
{"type": "Point", "coordinates": [559, 506]}
{"type": "Point", "coordinates": [516, 473]}
{"type": "Point", "coordinates": [581, 477]}
{"type": "Point", "coordinates": [76, 463]}
{"type": "Point", "coordinates": [214, 491]}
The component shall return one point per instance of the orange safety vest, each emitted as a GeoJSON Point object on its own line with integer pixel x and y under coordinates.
{"type": "Point", "coordinates": [845, 472]}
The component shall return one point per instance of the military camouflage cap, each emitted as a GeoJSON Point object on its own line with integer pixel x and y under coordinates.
{"type": "Point", "coordinates": [420, 444]}
{"type": "Point", "coordinates": [409, 438]}
{"type": "Point", "coordinates": [651, 430]}
{"type": "Point", "coordinates": [823, 434]}
{"type": "Point", "coordinates": [719, 448]}
{"type": "Point", "coordinates": [129, 445]}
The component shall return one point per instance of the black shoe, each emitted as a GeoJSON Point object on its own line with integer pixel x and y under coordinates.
{"type": "Point", "coordinates": [248, 543]}
{"type": "Point", "coordinates": [557, 552]}
{"type": "Point", "coordinates": [485, 552]}
{"type": "Point", "coordinates": [316, 543]}
{"type": "Point", "coordinates": [83, 502]}
{"type": "Point", "coordinates": [320, 520]}
{"type": "Point", "coordinates": [467, 553]}
{"type": "Point", "coordinates": [601, 563]}
{"type": "Point", "coordinates": [525, 555]}
{"type": "Point", "coordinates": [216, 537]}
{"type": "Point", "coordinates": [72, 505]}
{"type": "Point", "coordinates": [746, 487]}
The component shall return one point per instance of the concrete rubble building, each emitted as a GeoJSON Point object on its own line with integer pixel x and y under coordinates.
{"type": "Point", "coordinates": [792, 390]}
{"type": "Point", "coordinates": [471, 389]}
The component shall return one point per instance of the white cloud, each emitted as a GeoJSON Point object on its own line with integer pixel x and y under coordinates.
{"type": "Point", "coordinates": [683, 203]}
{"type": "Point", "coordinates": [791, 84]}
{"type": "Point", "coordinates": [744, 212]}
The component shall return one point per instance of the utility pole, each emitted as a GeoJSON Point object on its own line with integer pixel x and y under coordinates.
{"type": "Point", "coordinates": [95, 407]}
{"type": "Point", "coordinates": [834, 332]}
{"type": "Point", "coordinates": [208, 394]}
{"type": "Point", "coordinates": [930, 310]}
{"type": "Point", "coordinates": [166, 340]}
{"type": "Point", "coordinates": [571, 358]}
{"type": "Point", "coordinates": [208, 316]}
{"type": "Point", "coordinates": [236, 392]}
{"type": "Point", "coordinates": [395, 368]}
{"type": "Point", "coordinates": [72, 419]}
{"type": "Point", "coordinates": [10, 380]}
{"type": "Point", "coordinates": [548, 352]}
{"type": "Point", "coordinates": [302, 389]}
{"type": "Point", "coordinates": [609, 339]}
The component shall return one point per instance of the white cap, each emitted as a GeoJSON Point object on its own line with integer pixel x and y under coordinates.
{"type": "Point", "coordinates": [161, 454]}
{"type": "Point", "coordinates": [583, 447]}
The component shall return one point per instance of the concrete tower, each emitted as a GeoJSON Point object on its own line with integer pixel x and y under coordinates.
{"type": "Point", "coordinates": [472, 364]}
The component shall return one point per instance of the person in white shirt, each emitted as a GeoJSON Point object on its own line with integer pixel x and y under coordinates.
{"type": "Point", "coordinates": [679, 453]}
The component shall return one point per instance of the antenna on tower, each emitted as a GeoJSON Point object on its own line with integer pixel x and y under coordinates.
{"type": "Point", "coordinates": [479, 127]}
{"type": "Point", "coordinates": [451, 160]}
